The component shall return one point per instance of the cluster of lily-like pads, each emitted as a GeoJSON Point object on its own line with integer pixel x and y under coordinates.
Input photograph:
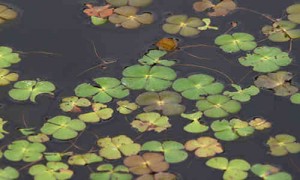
{"type": "Point", "coordinates": [122, 13]}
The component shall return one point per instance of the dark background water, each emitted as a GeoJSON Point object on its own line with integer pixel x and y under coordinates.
{"type": "Point", "coordinates": [59, 26]}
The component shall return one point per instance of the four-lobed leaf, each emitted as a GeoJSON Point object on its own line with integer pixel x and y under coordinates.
{"type": "Point", "coordinates": [73, 104]}
{"type": "Point", "coordinates": [51, 171]}
{"type": "Point", "coordinates": [6, 77]}
{"type": "Point", "coordinates": [104, 91]}
{"type": "Point", "coordinates": [294, 13]}
{"type": "Point", "coordinates": [150, 78]}
{"type": "Point", "coordinates": [7, 57]}
{"type": "Point", "coordinates": [173, 151]}
{"type": "Point", "coordinates": [150, 121]}
{"type": "Point", "coordinates": [242, 95]}
{"type": "Point", "coordinates": [109, 172]}
{"type": "Point", "coordinates": [282, 144]}
{"type": "Point", "coordinates": [204, 146]}
{"type": "Point", "coordinates": [268, 172]}
{"type": "Point", "coordinates": [63, 127]}
{"type": "Point", "coordinates": [9, 173]}
{"type": "Point", "coordinates": [154, 57]}
{"type": "Point", "coordinates": [266, 59]}
{"type": "Point", "coordinates": [100, 112]}
{"type": "Point", "coordinates": [220, 9]}
{"type": "Point", "coordinates": [29, 89]}
{"type": "Point", "coordinates": [196, 86]}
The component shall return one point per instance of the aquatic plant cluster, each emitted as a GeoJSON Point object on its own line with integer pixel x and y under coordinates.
{"type": "Point", "coordinates": [160, 98]}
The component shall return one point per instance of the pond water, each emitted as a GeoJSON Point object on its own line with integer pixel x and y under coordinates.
{"type": "Point", "coordinates": [61, 29]}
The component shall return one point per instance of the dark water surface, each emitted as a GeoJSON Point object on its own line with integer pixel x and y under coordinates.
{"type": "Point", "coordinates": [59, 26]}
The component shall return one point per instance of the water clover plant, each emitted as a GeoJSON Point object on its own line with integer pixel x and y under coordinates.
{"type": "Point", "coordinates": [266, 59]}
{"type": "Point", "coordinates": [153, 57]}
{"type": "Point", "coordinates": [73, 104]}
{"type": "Point", "coordinates": [150, 78]}
{"type": "Point", "coordinates": [160, 175]}
{"type": "Point", "coordinates": [104, 91]}
{"type": "Point", "coordinates": [236, 168]}
{"type": "Point", "coordinates": [127, 17]}
{"type": "Point", "coordinates": [9, 173]}
{"type": "Point", "coordinates": [100, 112]}
{"type": "Point", "coordinates": [40, 137]}
{"type": "Point", "coordinates": [113, 148]}
{"type": "Point", "coordinates": [231, 130]}
{"type": "Point", "coordinates": [173, 151]}
{"type": "Point", "coordinates": [63, 127]}
{"type": "Point", "coordinates": [282, 144]}
{"type": "Point", "coordinates": [220, 9]}
{"type": "Point", "coordinates": [242, 95]}
{"type": "Point", "coordinates": [6, 13]}
{"type": "Point", "coordinates": [260, 124]}
{"type": "Point", "coordinates": [167, 44]}
{"type": "Point", "coordinates": [109, 172]}
{"type": "Point", "coordinates": [281, 31]}
{"type": "Point", "coordinates": [207, 25]}
{"type": "Point", "coordinates": [279, 82]}
{"type": "Point", "coordinates": [23, 150]}
{"type": "Point", "coordinates": [150, 122]}
{"type": "Point", "coordinates": [6, 77]}
{"type": "Point", "coordinates": [126, 107]}
{"type": "Point", "coordinates": [195, 86]}
{"type": "Point", "coordinates": [268, 172]}
{"type": "Point", "coordinates": [204, 146]}
{"type": "Point", "coordinates": [182, 24]}
{"type": "Point", "coordinates": [2, 131]}
{"type": "Point", "coordinates": [165, 101]}
{"type": "Point", "coordinates": [295, 98]}
{"type": "Point", "coordinates": [84, 159]}
{"type": "Point", "coordinates": [217, 106]}
{"type": "Point", "coordinates": [7, 57]}
{"type": "Point", "coordinates": [146, 163]}
{"type": "Point", "coordinates": [294, 13]}
{"type": "Point", "coordinates": [135, 3]}
{"type": "Point", "coordinates": [195, 126]}
{"type": "Point", "coordinates": [29, 89]}
{"type": "Point", "coordinates": [51, 171]}
{"type": "Point", "coordinates": [236, 42]}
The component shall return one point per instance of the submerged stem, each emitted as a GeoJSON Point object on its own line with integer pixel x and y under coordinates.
{"type": "Point", "coordinates": [258, 13]}
{"type": "Point", "coordinates": [208, 68]}
{"type": "Point", "coordinates": [194, 56]}
{"type": "Point", "coordinates": [39, 52]}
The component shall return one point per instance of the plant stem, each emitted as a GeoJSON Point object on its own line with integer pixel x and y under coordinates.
{"type": "Point", "coordinates": [256, 12]}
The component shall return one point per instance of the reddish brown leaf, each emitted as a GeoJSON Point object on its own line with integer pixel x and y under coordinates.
{"type": "Point", "coordinates": [98, 11]}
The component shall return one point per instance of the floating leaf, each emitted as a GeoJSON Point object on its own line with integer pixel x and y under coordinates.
{"type": "Point", "coordinates": [150, 78]}
{"type": "Point", "coordinates": [195, 126]}
{"type": "Point", "coordinates": [195, 86]}
{"type": "Point", "coordinates": [127, 17]}
{"type": "Point", "coordinates": [2, 131]}
{"type": "Point", "coordinates": [97, 21]}
{"type": "Point", "coordinates": [52, 170]}
{"type": "Point", "coordinates": [260, 124]}
{"type": "Point", "coordinates": [220, 9]}
{"type": "Point", "coordinates": [108, 172]}
{"type": "Point", "coordinates": [242, 95]}
{"type": "Point", "coordinates": [113, 148]}
{"type": "Point", "coordinates": [84, 159]}
{"type": "Point", "coordinates": [217, 106]}
{"type": "Point", "coordinates": [173, 151]}
{"type": "Point", "coordinates": [167, 44]}
{"type": "Point", "coordinates": [268, 172]}
{"type": "Point", "coordinates": [40, 138]}
{"type": "Point", "coordinates": [151, 122]}
{"type": "Point", "coordinates": [63, 127]}
{"type": "Point", "coordinates": [126, 107]}
{"type": "Point", "coordinates": [56, 156]}
{"type": "Point", "coordinates": [231, 130]}
{"type": "Point", "coordinates": [207, 25]}
{"type": "Point", "coordinates": [279, 82]}
{"type": "Point", "coordinates": [105, 90]}
{"type": "Point", "coordinates": [135, 3]}
{"type": "Point", "coordinates": [157, 176]}
{"type": "Point", "coordinates": [266, 59]}
{"type": "Point", "coordinates": [165, 101]}
{"type": "Point", "coordinates": [73, 104]}
{"type": "Point", "coordinates": [7, 57]}
{"type": "Point", "coordinates": [27, 131]}
{"type": "Point", "coordinates": [153, 57]}
{"type": "Point", "coordinates": [23, 150]}
{"type": "Point", "coordinates": [234, 169]}
{"type": "Point", "coordinates": [29, 89]}
{"type": "Point", "coordinates": [204, 146]}
{"type": "Point", "coordinates": [6, 77]}
{"type": "Point", "coordinates": [182, 24]}
{"type": "Point", "coordinates": [98, 11]}
{"type": "Point", "coordinates": [281, 31]}
{"type": "Point", "coordinates": [294, 13]}
{"type": "Point", "coordinates": [236, 42]}
{"type": "Point", "coordinates": [146, 163]}
{"type": "Point", "coordinates": [8, 173]}
{"type": "Point", "coordinates": [295, 98]}
{"type": "Point", "coordinates": [100, 112]}
{"type": "Point", "coordinates": [282, 144]}
{"type": "Point", "coordinates": [6, 13]}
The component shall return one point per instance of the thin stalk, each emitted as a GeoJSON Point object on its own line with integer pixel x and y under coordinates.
{"type": "Point", "coordinates": [256, 12]}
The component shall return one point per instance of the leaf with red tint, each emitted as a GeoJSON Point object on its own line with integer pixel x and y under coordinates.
{"type": "Point", "coordinates": [98, 11]}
